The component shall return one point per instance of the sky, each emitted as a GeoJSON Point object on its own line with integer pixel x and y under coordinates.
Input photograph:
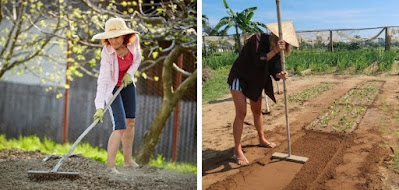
{"type": "Point", "coordinates": [312, 14]}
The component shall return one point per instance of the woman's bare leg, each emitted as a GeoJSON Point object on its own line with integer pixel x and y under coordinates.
{"type": "Point", "coordinates": [127, 143]}
{"type": "Point", "coordinates": [256, 108]}
{"type": "Point", "coordinates": [113, 145]}
{"type": "Point", "coordinates": [240, 103]}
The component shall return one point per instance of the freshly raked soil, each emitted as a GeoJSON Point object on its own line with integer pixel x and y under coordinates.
{"type": "Point", "coordinates": [14, 165]}
{"type": "Point", "coordinates": [359, 158]}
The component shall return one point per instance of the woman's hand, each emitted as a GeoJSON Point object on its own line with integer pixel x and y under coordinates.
{"type": "Point", "coordinates": [126, 80]}
{"type": "Point", "coordinates": [99, 115]}
{"type": "Point", "coordinates": [280, 46]}
{"type": "Point", "coordinates": [282, 75]}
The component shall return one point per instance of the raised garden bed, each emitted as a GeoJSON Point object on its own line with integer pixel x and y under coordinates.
{"type": "Point", "coordinates": [347, 112]}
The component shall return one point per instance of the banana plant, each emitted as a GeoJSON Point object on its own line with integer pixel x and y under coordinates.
{"type": "Point", "coordinates": [238, 20]}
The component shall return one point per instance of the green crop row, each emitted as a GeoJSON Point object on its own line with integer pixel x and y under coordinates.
{"type": "Point", "coordinates": [343, 113]}
{"type": "Point", "coordinates": [356, 61]}
{"type": "Point", "coordinates": [321, 62]}
{"type": "Point", "coordinates": [310, 92]}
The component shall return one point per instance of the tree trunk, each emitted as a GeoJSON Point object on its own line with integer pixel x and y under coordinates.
{"type": "Point", "coordinates": [170, 99]}
{"type": "Point", "coordinates": [238, 39]}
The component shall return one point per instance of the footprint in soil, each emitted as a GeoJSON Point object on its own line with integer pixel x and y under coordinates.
{"type": "Point", "coordinates": [228, 125]}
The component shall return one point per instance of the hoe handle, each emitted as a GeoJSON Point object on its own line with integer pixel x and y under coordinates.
{"type": "Point", "coordinates": [280, 33]}
{"type": "Point", "coordinates": [85, 132]}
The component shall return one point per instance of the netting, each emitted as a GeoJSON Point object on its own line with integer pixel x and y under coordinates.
{"type": "Point", "coordinates": [385, 37]}
{"type": "Point", "coordinates": [315, 40]}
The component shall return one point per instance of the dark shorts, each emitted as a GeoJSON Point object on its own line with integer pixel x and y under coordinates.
{"type": "Point", "coordinates": [124, 106]}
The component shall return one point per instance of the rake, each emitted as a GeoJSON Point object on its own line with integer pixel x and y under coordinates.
{"type": "Point", "coordinates": [54, 173]}
{"type": "Point", "coordinates": [279, 155]}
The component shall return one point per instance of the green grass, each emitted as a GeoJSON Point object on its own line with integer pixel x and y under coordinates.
{"type": "Point", "coordinates": [160, 162]}
{"type": "Point", "coordinates": [218, 60]}
{"type": "Point", "coordinates": [217, 85]}
{"type": "Point", "coordinates": [48, 146]}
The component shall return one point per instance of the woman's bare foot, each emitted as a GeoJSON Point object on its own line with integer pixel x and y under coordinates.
{"type": "Point", "coordinates": [131, 164]}
{"type": "Point", "coordinates": [113, 170]}
{"type": "Point", "coordinates": [240, 158]}
{"type": "Point", "coordinates": [265, 143]}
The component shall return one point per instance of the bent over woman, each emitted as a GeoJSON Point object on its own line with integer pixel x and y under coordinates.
{"type": "Point", "coordinates": [120, 59]}
{"type": "Point", "coordinates": [249, 76]}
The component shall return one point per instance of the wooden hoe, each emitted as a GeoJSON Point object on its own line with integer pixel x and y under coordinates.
{"type": "Point", "coordinates": [278, 155]}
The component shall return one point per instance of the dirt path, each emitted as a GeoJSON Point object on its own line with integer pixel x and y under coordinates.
{"type": "Point", "coordinates": [356, 159]}
{"type": "Point", "coordinates": [14, 165]}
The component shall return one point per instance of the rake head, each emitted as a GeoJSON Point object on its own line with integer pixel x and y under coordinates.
{"type": "Point", "coordinates": [48, 175]}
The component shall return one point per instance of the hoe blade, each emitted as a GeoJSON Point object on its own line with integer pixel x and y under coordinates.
{"type": "Point", "coordinates": [48, 175]}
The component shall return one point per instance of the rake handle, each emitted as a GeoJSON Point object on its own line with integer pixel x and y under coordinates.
{"type": "Point", "coordinates": [85, 132]}
{"type": "Point", "coordinates": [280, 33]}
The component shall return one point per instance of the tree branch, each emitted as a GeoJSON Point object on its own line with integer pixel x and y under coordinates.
{"type": "Point", "coordinates": [1, 10]}
{"type": "Point", "coordinates": [88, 72]}
{"type": "Point", "coordinates": [180, 70]}
{"type": "Point", "coordinates": [38, 52]}
{"type": "Point", "coordinates": [9, 39]}
{"type": "Point", "coordinates": [152, 63]}
{"type": "Point", "coordinates": [181, 90]}
{"type": "Point", "coordinates": [152, 20]}
{"type": "Point", "coordinates": [167, 71]}
{"type": "Point", "coordinates": [21, 10]}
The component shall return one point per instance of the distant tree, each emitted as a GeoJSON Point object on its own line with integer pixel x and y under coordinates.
{"type": "Point", "coordinates": [212, 47]}
{"type": "Point", "coordinates": [205, 25]}
{"type": "Point", "coordinates": [238, 20]}
{"type": "Point", "coordinates": [354, 46]}
{"type": "Point", "coordinates": [28, 28]}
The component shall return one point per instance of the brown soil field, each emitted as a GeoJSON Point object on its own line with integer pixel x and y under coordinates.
{"type": "Point", "coordinates": [358, 155]}
{"type": "Point", "coordinates": [14, 165]}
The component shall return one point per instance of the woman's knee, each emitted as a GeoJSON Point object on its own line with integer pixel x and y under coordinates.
{"type": "Point", "coordinates": [257, 112]}
{"type": "Point", "coordinates": [240, 114]}
{"type": "Point", "coordinates": [130, 122]}
{"type": "Point", "coordinates": [256, 108]}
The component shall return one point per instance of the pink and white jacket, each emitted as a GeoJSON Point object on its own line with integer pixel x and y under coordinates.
{"type": "Point", "coordinates": [109, 71]}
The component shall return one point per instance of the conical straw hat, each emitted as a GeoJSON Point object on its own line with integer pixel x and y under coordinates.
{"type": "Point", "coordinates": [289, 34]}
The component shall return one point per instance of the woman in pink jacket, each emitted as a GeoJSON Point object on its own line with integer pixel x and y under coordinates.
{"type": "Point", "coordinates": [120, 58]}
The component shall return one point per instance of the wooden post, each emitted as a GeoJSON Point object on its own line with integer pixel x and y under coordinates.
{"type": "Point", "coordinates": [204, 45]}
{"type": "Point", "coordinates": [66, 97]}
{"type": "Point", "coordinates": [330, 46]}
{"type": "Point", "coordinates": [387, 39]}
{"type": "Point", "coordinates": [177, 110]}
{"type": "Point", "coordinates": [267, 105]}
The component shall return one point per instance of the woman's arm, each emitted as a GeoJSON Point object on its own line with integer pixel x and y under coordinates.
{"type": "Point", "coordinates": [280, 46]}
{"type": "Point", "coordinates": [271, 54]}
{"type": "Point", "coordinates": [103, 79]}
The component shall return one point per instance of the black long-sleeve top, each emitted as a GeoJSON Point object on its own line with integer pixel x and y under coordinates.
{"type": "Point", "coordinates": [253, 70]}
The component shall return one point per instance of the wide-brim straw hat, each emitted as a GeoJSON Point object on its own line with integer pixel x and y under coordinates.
{"type": "Point", "coordinates": [114, 27]}
{"type": "Point", "coordinates": [289, 34]}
